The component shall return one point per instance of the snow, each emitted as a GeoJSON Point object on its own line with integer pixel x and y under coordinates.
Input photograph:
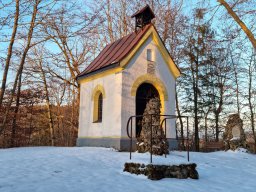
{"type": "Point", "coordinates": [63, 169]}
{"type": "Point", "coordinates": [235, 138]}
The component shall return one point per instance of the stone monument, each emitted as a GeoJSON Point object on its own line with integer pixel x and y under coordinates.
{"type": "Point", "coordinates": [160, 144]}
{"type": "Point", "coordinates": [234, 136]}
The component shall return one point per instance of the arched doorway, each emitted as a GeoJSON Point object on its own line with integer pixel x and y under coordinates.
{"type": "Point", "coordinates": [145, 92]}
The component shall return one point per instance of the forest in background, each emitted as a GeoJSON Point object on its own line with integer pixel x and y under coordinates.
{"type": "Point", "coordinates": [45, 44]}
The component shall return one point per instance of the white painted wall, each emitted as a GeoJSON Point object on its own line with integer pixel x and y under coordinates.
{"type": "Point", "coordinates": [138, 67]}
{"type": "Point", "coordinates": [111, 115]}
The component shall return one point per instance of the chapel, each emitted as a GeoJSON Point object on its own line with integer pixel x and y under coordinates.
{"type": "Point", "coordinates": [119, 82]}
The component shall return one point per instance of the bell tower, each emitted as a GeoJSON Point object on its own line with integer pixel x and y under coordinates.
{"type": "Point", "coordinates": [143, 17]}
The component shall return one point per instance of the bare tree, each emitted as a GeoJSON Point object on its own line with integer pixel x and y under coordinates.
{"type": "Point", "coordinates": [220, 74]}
{"type": "Point", "coordinates": [109, 20]}
{"type": "Point", "coordinates": [17, 104]}
{"type": "Point", "coordinates": [236, 72]}
{"type": "Point", "coordinates": [9, 54]}
{"type": "Point", "coordinates": [251, 97]}
{"type": "Point", "coordinates": [39, 57]}
{"type": "Point", "coordinates": [247, 31]}
{"type": "Point", "coordinates": [22, 62]}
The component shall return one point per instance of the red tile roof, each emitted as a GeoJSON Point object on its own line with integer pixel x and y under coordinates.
{"type": "Point", "coordinates": [114, 52]}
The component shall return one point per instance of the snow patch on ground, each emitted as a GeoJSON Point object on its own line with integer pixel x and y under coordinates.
{"type": "Point", "coordinates": [239, 150]}
{"type": "Point", "coordinates": [63, 169]}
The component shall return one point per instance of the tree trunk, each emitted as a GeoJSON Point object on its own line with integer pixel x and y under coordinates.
{"type": "Point", "coordinates": [9, 54]}
{"type": "Point", "coordinates": [15, 113]}
{"type": "Point", "coordinates": [251, 106]}
{"type": "Point", "coordinates": [109, 21]}
{"type": "Point", "coordinates": [180, 120]}
{"type": "Point", "coordinates": [196, 107]}
{"type": "Point", "coordinates": [30, 124]}
{"type": "Point", "coordinates": [237, 92]}
{"type": "Point", "coordinates": [237, 84]}
{"type": "Point", "coordinates": [217, 126]}
{"type": "Point", "coordinates": [22, 62]}
{"type": "Point", "coordinates": [219, 110]}
{"type": "Point", "coordinates": [206, 127]}
{"type": "Point", "coordinates": [49, 111]}
{"type": "Point", "coordinates": [166, 22]}
{"type": "Point", "coordinates": [239, 22]}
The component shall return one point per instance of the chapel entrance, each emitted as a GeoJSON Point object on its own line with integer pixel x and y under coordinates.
{"type": "Point", "coordinates": [145, 92]}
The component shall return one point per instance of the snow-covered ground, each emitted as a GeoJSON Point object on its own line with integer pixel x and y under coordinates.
{"type": "Point", "coordinates": [60, 169]}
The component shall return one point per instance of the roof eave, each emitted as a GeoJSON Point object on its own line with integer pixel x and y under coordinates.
{"type": "Point", "coordinates": [82, 76]}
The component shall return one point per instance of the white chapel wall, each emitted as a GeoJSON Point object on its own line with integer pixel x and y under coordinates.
{"type": "Point", "coordinates": [111, 119]}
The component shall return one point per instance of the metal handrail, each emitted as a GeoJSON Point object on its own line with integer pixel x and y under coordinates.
{"type": "Point", "coordinates": [164, 121]}
{"type": "Point", "coordinates": [151, 134]}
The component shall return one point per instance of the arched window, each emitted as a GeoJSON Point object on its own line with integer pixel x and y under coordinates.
{"type": "Point", "coordinates": [98, 95]}
{"type": "Point", "coordinates": [100, 107]}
